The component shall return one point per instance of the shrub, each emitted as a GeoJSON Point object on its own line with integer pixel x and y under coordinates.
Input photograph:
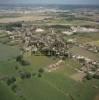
{"type": "Point", "coordinates": [39, 75]}
{"type": "Point", "coordinates": [25, 75]}
{"type": "Point", "coordinates": [41, 70]}
{"type": "Point", "coordinates": [24, 62]}
{"type": "Point", "coordinates": [11, 80]}
{"type": "Point", "coordinates": [19, 58]}
{"type": "Point", "coordinates": [13, 87]}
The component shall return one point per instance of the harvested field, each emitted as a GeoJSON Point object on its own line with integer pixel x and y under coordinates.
{"type": "Point", "coordinates": [23, 18]}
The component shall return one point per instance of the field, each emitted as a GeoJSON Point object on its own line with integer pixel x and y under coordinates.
{"type": "Point", "coordinates": [80, 51]}
{"type": "Point", "coordinates": [8, 52]}
{"type": "Point", "coordinates": [64, 21]}
{"type": "Point", "coordinates": [57, 85]}
{"type": "Point", "coordinates": [6, 93]}
{"type": "Point", "coordinates": [22, 18]}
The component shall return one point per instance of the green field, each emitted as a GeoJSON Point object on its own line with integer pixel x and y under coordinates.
{"type": "Point", "coordinates": [63, 21]}
{"type": "Point", "coordinates": [8, 52]}
{"type": "Point", "coordinates": [57, 85]}
{"type": "Point", "coordinates": [6, 93]}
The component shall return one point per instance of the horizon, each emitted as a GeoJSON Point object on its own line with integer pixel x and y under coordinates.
{"type": "Point", "coordinates": [50, 2]}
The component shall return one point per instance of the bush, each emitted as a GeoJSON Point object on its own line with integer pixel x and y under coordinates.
{"type": "Point", "coordinates": [19, 58]}
{"type": "Point", "coordinates": [25, 75]}
{"type": "Point", "coordinates": [11, 80]}
{"type": "Point", "coordinates": [16, 67]}
{"type": "Point", "coordinates": [13, 87]}
{"type": "Point", "coordinates": [28, 75]}
{"type": "Point", "coordinates": [24, 63]}
{"type": "Point", "coordinates": [39, 75]}
{"type": "Point", "coordinates": [96, 76]}
{"type": "Point", "coordinates": [41, 70]}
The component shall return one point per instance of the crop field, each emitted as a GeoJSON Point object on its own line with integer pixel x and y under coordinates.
{"type": "Point", "coordinates": [57, 85]}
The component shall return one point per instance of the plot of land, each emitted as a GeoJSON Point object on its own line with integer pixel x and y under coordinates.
{"type": "Point", "coordinates": [56, 85]}
{"type": "Point", "coordinates": [97, 97]}
{"type": "Point", "coordinates": [7, 52]}
{"type": "Point", "coordinates": [82, 52]}
{"type": "Point", "coordinates": [78, 76]}
{"type": "Point", "coordinates": [23, 18]}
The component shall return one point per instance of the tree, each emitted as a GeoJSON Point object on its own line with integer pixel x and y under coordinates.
{"type": "Point", "coordinates": [13, 87]}
{"type": "Point", "coordinates": [41, 70]}
{"type": "Point", "coordinates": [24, 62]}
{"type": "Point", "coordinates": [11, 80]}
{"type": "Point", "coordinates": [19, 58]}
{"type": "Point", "coordinates": [25, 75]}
{"type": "Point", "coordinates": [39, 75]}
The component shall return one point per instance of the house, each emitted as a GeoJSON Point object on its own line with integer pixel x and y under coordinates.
{"type": "Point", "coordinates": [39, 30]}
{"type": "Point", "coordinates": [68, 33]}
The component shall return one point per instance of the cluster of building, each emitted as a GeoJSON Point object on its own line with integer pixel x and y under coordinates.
{"type": "Point", "coordinates": [91, 48]}
{"type": "Point", "coordinates": [89, 66]}
{"type": "Point", "coordinates": [36, 41]}
{"type": "Point", "coordinates": [79, 29]}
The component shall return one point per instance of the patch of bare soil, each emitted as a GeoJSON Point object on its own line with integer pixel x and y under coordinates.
{"type": "Point", "coordinates": [97, 97]}
{"type": "Point", "coordinates": [55, 66]}
{"type": "Point", "coordinates": [79, 76]}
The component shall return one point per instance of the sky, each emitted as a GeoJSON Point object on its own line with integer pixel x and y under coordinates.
{"type": "Point", "coordinates": [90, 2]}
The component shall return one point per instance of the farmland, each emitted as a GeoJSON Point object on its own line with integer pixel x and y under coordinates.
{"type": "Point", "coordinates": [55, 85]}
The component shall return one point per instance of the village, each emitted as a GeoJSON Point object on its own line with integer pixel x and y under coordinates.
{"type": "Point", "coordinates": [46, 41]}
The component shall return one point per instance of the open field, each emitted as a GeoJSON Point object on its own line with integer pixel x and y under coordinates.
{"type": "Point", "coordinates": [6, 93]}
{"type": "Point", "coordinates": [7, 52]}
{"type": "Point", "coordinates": [71, 22]}
{"type": "Point", "coordinates": [57, 85]}
{"type": "Point", "coordinates": [96, 43]}
{"type": "Point", "coordinates": [23, 18]}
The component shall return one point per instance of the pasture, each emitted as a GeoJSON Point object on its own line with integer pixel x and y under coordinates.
{"type": "Point", "coordinates": [8, 52]}
{"type": "Point", "coordinates": [56, 85]}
